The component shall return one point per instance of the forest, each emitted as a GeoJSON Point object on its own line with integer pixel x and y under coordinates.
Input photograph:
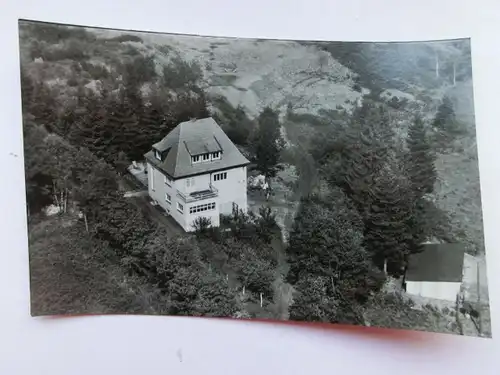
{"type": "Point", "coordinates": [104, 254]}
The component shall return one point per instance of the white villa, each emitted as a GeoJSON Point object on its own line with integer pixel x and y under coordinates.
{"type": "Point", "coordinates": [196, 171]}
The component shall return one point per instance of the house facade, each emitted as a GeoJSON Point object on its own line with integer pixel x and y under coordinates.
{"type": "Point", "coordinates": [436, 272]}
{"type": "Point", "coordinates": [196, 171]}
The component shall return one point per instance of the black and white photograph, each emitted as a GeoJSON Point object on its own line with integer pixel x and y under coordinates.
{"type": "Point", "coordinates": [283, 180]}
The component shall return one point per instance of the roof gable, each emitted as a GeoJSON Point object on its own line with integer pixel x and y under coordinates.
{"type": "Point", "coordinates": [191, 138]}
{"type": "Point", "coordinates": [437, 263]}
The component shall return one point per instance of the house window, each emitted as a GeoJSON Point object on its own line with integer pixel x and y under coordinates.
{"type": "Point", "coordinates": [195, 159]}
{"type": "Point", "coordinates": [180, 207]}
{"type": "Point", "coordinates": [220, 176]}
{"type": "Point", "coordinates": [216, 155]}
{"type": "Point", "coordinates": [157, 155]}
{"type": "Point", "coordinates": [206, 157]}
{"type": "Point", "coordinates": [168, 198]}
{"type": "Point", "coordinates": [167, 180]}
{"type": "Point", "coordinates": [202, 207]}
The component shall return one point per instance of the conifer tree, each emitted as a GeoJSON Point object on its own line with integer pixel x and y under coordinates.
{"type": "Point", "coordinates": [368, 143]}
{"type": "Point", "coordinates": [43, 106]}
{"type": "Point", "coordinates": [329, 267]}
{"type": "Point", "coordinates": [123, 124]}
{"type": "Point", "coordinates": [153, 124]}
{"type": "Point", "coordinates": [420, 160]}
{"type": "Point", "coordinates": [269, 142]}
{"type": "Point", "coordinates": [389, 225]}
{"type": "Point", "coordinates": [445, 115]}
{"type": "Point", "coordinates": [327, 240]}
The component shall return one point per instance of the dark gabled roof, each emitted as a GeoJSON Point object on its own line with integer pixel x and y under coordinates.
{"type": "Point", "coordinates": [437, 263]}
{"type": "Point", "coordinates": [202, 146]}
{"type": "Point", "coordinates": [193, 138]}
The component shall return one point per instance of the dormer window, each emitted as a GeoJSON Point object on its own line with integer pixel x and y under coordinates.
{"type": "Point", "coordinates": [214, 155]}
{"type": "Point", "coordinates": [157, 155]}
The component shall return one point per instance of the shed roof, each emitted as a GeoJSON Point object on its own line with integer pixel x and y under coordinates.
{"type": "Point", "coordinates": [437, 263]}
{"type": "Point", "coordinates": [191, 138]}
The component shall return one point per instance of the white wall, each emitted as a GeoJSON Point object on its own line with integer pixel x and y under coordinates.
{"type": "Point", "coordinates": [157, 189]}
{"type": "Point", "coordinates": [439, 290]}
{"type": "Point", "coordinates": [195, 183]}
{"type": "Point", "coordinates": [232, 189]}
{"type": "Point", "coordinates": [213, 215]}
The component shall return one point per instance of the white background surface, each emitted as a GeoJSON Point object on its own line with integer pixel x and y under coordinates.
{"type": "Point", "coordinates": [162, 345]}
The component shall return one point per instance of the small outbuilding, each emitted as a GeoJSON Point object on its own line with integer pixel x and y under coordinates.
{"type": "Point", "coordinates": [436, 272]}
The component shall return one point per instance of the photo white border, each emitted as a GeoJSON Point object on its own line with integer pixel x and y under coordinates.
{"type": "Point", "coordinates": [138, 344]}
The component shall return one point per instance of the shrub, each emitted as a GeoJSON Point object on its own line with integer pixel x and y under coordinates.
{"type": "Point", "coordinates": [132, 51]}
{"type": "Point", "coordinates": [72, 82]}
{"type": "Point", "coordinates": [97, 72]}
{"type": "Point", "coordinates": [179, 74]}
{"type": "Point", "coordinates": [73, 51]}
{"type": "Point", "coordinates": [127, 38]}
{"type": "Point", "coordinates": [53, 33]}
{"type": "Point", "coordinates": [201, 225]}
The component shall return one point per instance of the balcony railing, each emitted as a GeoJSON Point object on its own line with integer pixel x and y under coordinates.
{"type": "Point", "coordinates": [199, 195]}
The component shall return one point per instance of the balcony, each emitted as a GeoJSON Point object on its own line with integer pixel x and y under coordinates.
{"type": "Point", "coordinates": [199, 195]}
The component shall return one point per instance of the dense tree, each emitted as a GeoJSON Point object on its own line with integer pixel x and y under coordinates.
{"type": "Point", "coordinates": [327, 240]}
{"type": "Point", "coordinates": [199, 292]}
{"type": "Point", "coordinates": [43, 106]}
{"type": "Point", "coordinates": [235, 122]}
{"type": "Point", "coordinates": [445, 116]}
{"type": "Point", "coordinates": [329, 267]}
{"type": "Point", "coordinates": [123, 124]}
{"type": "Point", "coordinates": [60, 167]}
{"type": "Point", "coordinates": [179, 74]}
{"type": "Point", "coordinates": [36, 162]}
{"type": "Point", "coordinates": [420, 160]}
{"type": "Point", "coordinates": [189, 106]}
{"type": "Point", "coordinates": [389, 224]}
{"type": "Point", "coordinates": [27, 90]}
{"type": "Point", "coordinates": [138, 71]}
{"type": "Point", "coordinates": [269, 142]}
{"type": "Point", "coordinates": [369, 141]}
{"type": "Point", "coordinates": [314, 300]}
{"type": "Point", "coordinates": [191, 288]}
{"type": "Point", "coordinates": [254, 270]}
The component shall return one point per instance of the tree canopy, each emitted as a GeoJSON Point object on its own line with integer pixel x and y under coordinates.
{"type": "Point", "coordinates": [269, 142]}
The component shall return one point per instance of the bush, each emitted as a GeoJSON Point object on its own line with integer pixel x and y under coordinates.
{"type": "Point", "coordinates": [396, 103]}
{"type": "Point", "coordinates": [201, 225]}
{"type": "Point", "coordinates": [127, 38]}
{"type": "Point", "coordinates": [179, 74]}
{"type": "Point", "coordinates": [53, 33]}
{"type": "Point", "coordinates": [73, 51]}
{"type": "Point", "coordinates": [131, 51]}
{"type": "Point", "coordinates": [97, 72]}
{"type": "Point", "coordinates": [72, 82]}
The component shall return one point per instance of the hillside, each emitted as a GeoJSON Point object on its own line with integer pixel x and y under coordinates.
{"type": "Point", "coordinates": [313, 85]}
{"type": "Point", "coordinates": [302, 77]}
